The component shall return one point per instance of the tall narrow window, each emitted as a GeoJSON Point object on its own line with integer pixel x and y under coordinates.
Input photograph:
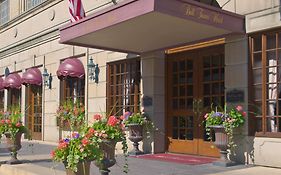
{"type": "Point", "coordinates": [33, 3]}
{"type": "Point", "coordinates": [14, 97]}
{"type": "Point", "coordinates": [123, 86]}
{"type": "Point", "coordinates": [265, 52]}
{"type": "Point", "coordinates": [73, 89]}
{"type": "Point", "coordinates": [4, 11]}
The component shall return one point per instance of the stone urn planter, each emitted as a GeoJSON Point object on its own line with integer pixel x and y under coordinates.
{"type": "Point", "coordinates": [13, 146]}
{"type": "Point", "coordinates": [221, 142]}
{"type": "Point", "coordinates": [135, 135]}
{"type": "Point", "coordinates": [83, 168]}
{"type": "Point", "coordinates": [108, 149]}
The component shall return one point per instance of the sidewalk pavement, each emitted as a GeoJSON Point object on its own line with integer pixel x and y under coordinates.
{"type": "Point", "coordinates": [36, 158]}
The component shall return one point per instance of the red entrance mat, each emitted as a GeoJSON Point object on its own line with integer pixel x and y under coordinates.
{"type": "Point", "coordinates": [178, 158]}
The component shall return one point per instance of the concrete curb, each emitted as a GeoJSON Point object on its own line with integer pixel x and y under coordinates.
{"type": "Point", "coordinates": [28, 169]}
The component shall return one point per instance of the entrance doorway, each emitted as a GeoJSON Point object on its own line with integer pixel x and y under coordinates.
{"type": "Point", "coordinates": [34, 111]}
{"type": "Point", "coordinates": [195, 81]}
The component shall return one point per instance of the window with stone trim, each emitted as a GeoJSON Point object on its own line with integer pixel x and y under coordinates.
{"type": "Point", "coordinates": [4, 11]}
{"type": "Point", "coordinates": [33, 3]}
{"type": "Point", "coordinates": [123, 86]}
{"type": "Point", "coordinates": [72, 89]}
{"type": "Point", "coordinates": [265, 84]}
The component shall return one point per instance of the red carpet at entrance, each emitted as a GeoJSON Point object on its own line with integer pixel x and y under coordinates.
{"type": "Point", "coordinates": [178, 158]}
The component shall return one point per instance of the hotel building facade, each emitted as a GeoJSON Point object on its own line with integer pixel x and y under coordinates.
{"type": "Point", "coordinates": [172, 59]}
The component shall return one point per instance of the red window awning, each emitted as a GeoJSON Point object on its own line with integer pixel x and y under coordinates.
{"type": "Point", "coordinates": [140, 26]}
{"type": "Point", "coordinates": [32, 76]}
{"type": "Point", "coordinates": [12, 81]}
{"type": "Point", "coordinates": [71, 67]}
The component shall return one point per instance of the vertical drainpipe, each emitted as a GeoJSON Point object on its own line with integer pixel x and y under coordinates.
{"type": "Point", "coordinates": [87, 87]}
{"type": "Point", "coordinates": [44, 103]}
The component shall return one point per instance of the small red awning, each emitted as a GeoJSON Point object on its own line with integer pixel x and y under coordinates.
{"type": "Point", "coordinates": [32, 76]}
{"type": "Point", "coordinates": [71, 67]}
{"type": "Point", "coordinates": [12, 81]}
{"type": "Point", "coordinates": [1, 84]}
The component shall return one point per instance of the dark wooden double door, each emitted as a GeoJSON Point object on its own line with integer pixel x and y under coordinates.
{"type": "Point", "coordinates": [195, 82]}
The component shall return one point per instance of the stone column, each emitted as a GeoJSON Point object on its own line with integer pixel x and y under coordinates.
{"type": "Point", "coordinates": [236, 78]}
{"type": "Point", "coordinates": [153, 91]}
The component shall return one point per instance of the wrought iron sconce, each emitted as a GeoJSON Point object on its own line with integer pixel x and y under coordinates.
{"type": "Point", "coordinates": [114, 2]}
{"type": "Point", "coordinates": [93, 70]}
{"type": "Point", "coordinates": [47, 78]}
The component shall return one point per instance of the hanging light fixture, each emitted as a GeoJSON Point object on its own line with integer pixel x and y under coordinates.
{"type": "Point", "coordinates": [47, 78]}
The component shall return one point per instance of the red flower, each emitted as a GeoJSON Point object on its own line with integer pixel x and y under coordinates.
{"type": "Point", "coordinates": [62, 145]}
{"type": "Point", "coordinates": [97, 117]}
{"type": "Point", "coordinates": [2, 121]}
{"type": "Point", "coordinates": [91, 131]}
{"type": "Point", "coordinates": [239, 108]}
{"type": "Point", "coordinates": [244, 113]}
{"type": "Point", "coordinates": [8, 121]}
{"type": "Point", "coordinates": [18, 124]}
{"type": "Point", "coordinates": [112, 121]}
{"type": "Point", "coordinates": [53, 154]}
{"type": "Point", "coordinates": [85, 141]}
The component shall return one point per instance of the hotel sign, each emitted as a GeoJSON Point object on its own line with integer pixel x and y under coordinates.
{"type": "Point", "coordinates": [203, 14]}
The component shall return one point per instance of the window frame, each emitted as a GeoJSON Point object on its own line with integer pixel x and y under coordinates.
{"type": "Point", "coordinates": [252, 120]}
{"type": "Point", "coordinates": [30, 4]}
{"type": "Point", "coordinates": [110, 106]}
{"type": "Point", "coordinates": [65, 92]}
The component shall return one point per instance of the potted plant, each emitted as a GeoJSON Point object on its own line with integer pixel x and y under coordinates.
{"type": "Point", "coordinates": [77, 152]}
{"type": "Point", "coordinates": [109, 130]}
{"type": "Point", "coordinates": [135, 123]}
{"type": "Point", "coordinates": [71, 115]}
{"type": "Point", "coordinates": [223, 122]}
{"type": "Point", "coordinates": [11, 126]}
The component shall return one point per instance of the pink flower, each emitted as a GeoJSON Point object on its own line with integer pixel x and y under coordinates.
{"type": "Point", "coordinates": [244, 114]}
{"type": "Point", "coordinates": [8, 121]}
{"type": "Point", "coordinates": [18, 124]}
{"type": "Point", "coordinates": [2, 121]}
{"type": "Point", "coordinates": [91, 131]}
{"type": "Point", "coordinates": [206, 115]}
{"type": "Point", "coordinates": [239, 108]}
{"type": "Point", "coordinates": [97, 117]}
{"type": "Point", "coordinates": [112, 121]}
{"type": "Point", "coordinates": [122, 117]}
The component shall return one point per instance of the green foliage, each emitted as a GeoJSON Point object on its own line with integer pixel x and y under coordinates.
{"type": "Point", "coordinates": [11, 122]}
{"type": "Point", "coordinates": [71, 114]}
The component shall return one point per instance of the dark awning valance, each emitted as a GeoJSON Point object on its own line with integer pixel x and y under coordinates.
{"type": "Point", "coordinates": [140, 26]}
{"type": "Point", "coordinates": [32, 76]}
{"type": "Point", "coordinates": [1, 84]}
{"type": "Point", "coordinates": [71, 67]}
{"type": "Point", "coordinates": [12, 81]}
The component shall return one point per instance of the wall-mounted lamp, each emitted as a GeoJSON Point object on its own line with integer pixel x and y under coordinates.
{"type": "Point", "coordinates": [93, 70]}
{"type": "Point", "coordinates": [47, 78]}
{"type": "Point", "coordinates": [7, 71]}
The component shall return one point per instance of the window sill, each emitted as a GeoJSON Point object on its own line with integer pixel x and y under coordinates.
{"type": "Point", "coordinates": [268, 134]}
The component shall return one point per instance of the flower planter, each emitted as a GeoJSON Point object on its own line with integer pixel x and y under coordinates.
{"type": "Point", "coordinates": [108, 148]}
{"type": "Point", "coordinates": [83, 168]}
{"type": "Point", "coordinates": [135, 135]}
{"type": "Point", "coordinates": [13, 146]}
{"type": "Point", "coordinates": [221, 142]}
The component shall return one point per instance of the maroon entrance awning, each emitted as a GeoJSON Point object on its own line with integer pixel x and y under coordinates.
{"type": "Point", "coordinates": [32, 76]}
{"type": "Point", "coordinates": [1, 84]}
{"type": "Point", "coordinates": [12, 81]}
{"type": "Point", "coordinates": [139, 26]}
{"type": "Point", "coordinates": [71, 67]}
